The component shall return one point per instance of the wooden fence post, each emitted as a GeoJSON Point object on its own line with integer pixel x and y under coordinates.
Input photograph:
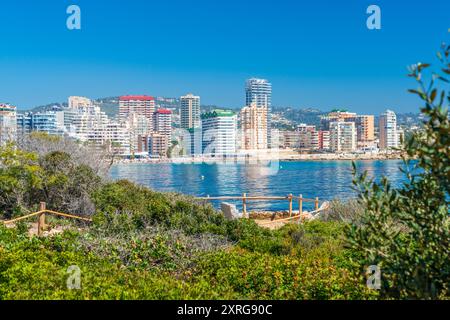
{"type": "Point", "coordinates": [244, 205]}
{"type": "Point", "coordinates": [300, 204]}
{"type": "Point", "coordinates": [41, 219]}
{"type": "Point", "coordinates": [290, 205]}
{"type": "Point", "coordinates": [317, 203]}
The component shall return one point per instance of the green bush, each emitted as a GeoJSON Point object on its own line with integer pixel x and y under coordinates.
{"type": "Point", "coordinates": [168, 264]}
{"type": "Point", "coordinates": [124, 205]}
{"type": "Point", "coordinates": [263, 276]}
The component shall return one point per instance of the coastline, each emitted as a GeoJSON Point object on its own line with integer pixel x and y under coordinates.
{"type": "Point", "coordinates": [267, 157]}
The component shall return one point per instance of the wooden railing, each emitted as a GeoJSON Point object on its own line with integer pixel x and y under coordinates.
{"type": "Point", "coordinates": [300, 217]}
{"type": "Point", "coordinates": [244, 198]}
{"type": "Point", "coordinates": [42, 216]}
{"type": "Point", "coordinates": [290, 198]}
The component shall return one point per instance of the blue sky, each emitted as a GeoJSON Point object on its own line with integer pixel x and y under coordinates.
{"type": "Point", "coordinates": [315, 53]}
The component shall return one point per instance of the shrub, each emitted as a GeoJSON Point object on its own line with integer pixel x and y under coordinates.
{"type": "Point", "coordinates": [405, 231]}
{"type": "Point", "coordinates": [346, 211]}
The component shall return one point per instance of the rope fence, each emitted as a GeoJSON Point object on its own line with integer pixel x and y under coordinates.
{"type": "Point", "coordinates": [42, 217]}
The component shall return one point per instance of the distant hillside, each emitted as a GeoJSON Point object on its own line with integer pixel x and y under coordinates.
{"type": "Point", "coordinates": [56, 106]}
{"type": "Point", "coordinates": [109, 105]}
{"type": "Point", "coordinates": [312, 116]}
{"type": "Point", "coordinates": [297, 116]}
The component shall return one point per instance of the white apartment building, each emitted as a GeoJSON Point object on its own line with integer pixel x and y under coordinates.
{"type": "Point", "coordinates": [388, 130]}
{"type": "Point", "coordinates": [342, 136]}
{"type": "Point", "coordinates": [112, 135]}
{"type": "Point", "coordinates": [91, 125]}
{"type": "Point", "coordinates": [80, 122]}
{"type": "Point", "coordinates": [219, 129]}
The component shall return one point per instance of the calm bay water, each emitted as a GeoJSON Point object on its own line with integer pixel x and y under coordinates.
{"type": "Point", "coordinates": [324, 179]}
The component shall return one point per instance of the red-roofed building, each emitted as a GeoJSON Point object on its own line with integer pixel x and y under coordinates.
{"type": "Point", "coordinates": [162, 122]}
{"type": "Point", "coordinates": [141, 105]}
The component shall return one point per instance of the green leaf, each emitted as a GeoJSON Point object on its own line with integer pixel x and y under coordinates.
{"type": "Point", "coordinates": [433, 95]}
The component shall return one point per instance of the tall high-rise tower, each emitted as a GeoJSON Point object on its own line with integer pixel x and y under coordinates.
{"type": "Point", "coordinates": [388, 130]}
{"type": "Point", "coordinates": [190, 111]}
{"type": "Point", "coordinates": [258, 92]}
{"type": "Point", "coordinates": [254, 127]}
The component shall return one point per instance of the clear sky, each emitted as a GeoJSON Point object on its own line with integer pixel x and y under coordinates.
{"type": "Point", "coordinates": [316, 53]}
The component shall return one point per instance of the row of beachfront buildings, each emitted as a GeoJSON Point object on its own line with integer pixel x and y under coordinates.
{"type": "Point", "coordinates": [342, 131]}
{"type": "Point", "coordinates": [143, 129]}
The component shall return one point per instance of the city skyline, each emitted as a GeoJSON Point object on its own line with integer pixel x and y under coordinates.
{"type": "Point", "coordinates": [144, 128]}
{"type": "Point", "coordinates": [309, 49]}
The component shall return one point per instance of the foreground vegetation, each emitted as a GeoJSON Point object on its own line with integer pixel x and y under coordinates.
{"type": "Point", "coordinates": [148, 245]}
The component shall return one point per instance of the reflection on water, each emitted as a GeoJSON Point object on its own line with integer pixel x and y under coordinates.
{"type": "Point", "coordinates": [325, 179]}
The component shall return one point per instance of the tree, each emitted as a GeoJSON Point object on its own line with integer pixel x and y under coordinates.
{"type": "Point", "coordinates": [99, 159]}
{"type": "Point", "coordinates": [66, 185]}
{"type": "Point", "coordinates": [55, 178]}
{"type": "Point", "coordinates": [405, 231]}
{"type": "Point", "coordinates": [19, 174]}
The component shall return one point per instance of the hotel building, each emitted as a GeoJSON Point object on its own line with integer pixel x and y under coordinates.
{"type": "Point", "coordinates": [219, 129]}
